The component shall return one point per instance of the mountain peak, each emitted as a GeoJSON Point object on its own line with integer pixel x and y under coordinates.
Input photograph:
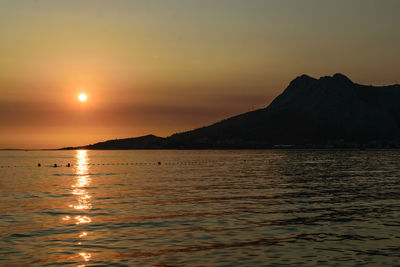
{"type": "Point", "coordinates": [336, 77]}
{"type": "Point", "coordinates": [341, 77]}
{"type": "Point", "coordinates": [301, 81]}
{"type": "Point", "coordinates": [303, 77]}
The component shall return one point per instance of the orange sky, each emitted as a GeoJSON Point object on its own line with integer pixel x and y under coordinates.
{"type": "Point", "coordinates": [167, 66]}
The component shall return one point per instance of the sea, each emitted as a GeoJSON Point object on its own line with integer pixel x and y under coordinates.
{"type": "Point", "coordinates": [200, 208]}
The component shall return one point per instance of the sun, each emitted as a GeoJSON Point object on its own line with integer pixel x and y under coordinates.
{"type": "Point", "coordinates": [82, 97]}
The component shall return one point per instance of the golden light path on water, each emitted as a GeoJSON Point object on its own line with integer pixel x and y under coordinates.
{"type": "Point", "coordinates": [82, 196]}
{"type": "Point", "coordinates": [83, 180]}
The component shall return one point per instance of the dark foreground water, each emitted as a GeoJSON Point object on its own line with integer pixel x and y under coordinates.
{"type": "Point", "coordinates": [200, 208]}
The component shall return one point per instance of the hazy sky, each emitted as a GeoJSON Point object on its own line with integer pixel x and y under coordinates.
{"type": "Point", "coordinates": [166, 66]}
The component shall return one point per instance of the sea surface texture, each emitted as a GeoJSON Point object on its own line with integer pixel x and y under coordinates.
{"type": "Point", "coordinates": [200, 208]}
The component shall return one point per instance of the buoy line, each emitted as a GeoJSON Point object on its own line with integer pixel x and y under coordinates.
{"type": "Point", "coordinates": [69, 165]}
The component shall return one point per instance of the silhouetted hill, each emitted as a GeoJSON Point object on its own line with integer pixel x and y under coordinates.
{"type": "Point", "coordinates": [143, 142]}
{"type": "Point", "coordinates": [325, 112]}
{"type": "Point", "coordinates": [329, 110]}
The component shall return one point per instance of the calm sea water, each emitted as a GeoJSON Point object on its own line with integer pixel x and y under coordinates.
{"type": "Point", "coordinates": [200, 208]}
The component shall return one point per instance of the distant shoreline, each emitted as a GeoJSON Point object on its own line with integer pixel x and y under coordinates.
{"type": "Point", "coordinates": [210, 149]}
{"type": "Point", "coordinates": [24, 149]}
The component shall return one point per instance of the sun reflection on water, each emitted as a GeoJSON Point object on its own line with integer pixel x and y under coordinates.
{"type": "Point", "coordinates": [83, 234]}
{"type": "Point", "coordinates": [83, 180]}
{"type": "Point", "coordinates": [82, 219]}
{"type": "Point", "coordinates": [79, 189]}
{"type": "Point", "coordinates": [85, 256]}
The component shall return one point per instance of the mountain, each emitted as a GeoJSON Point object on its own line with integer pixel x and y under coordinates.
{"type": "Point", "coordinates": [143, 142]}
{"type": "Point", "coordinates": [331, 111]}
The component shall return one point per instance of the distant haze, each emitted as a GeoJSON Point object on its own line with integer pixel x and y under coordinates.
{"type": "Point", "coordinates": [166, 66]}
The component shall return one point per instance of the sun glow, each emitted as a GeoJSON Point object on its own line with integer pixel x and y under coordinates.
{"type": "Point", "coordinates": [82, 97]}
